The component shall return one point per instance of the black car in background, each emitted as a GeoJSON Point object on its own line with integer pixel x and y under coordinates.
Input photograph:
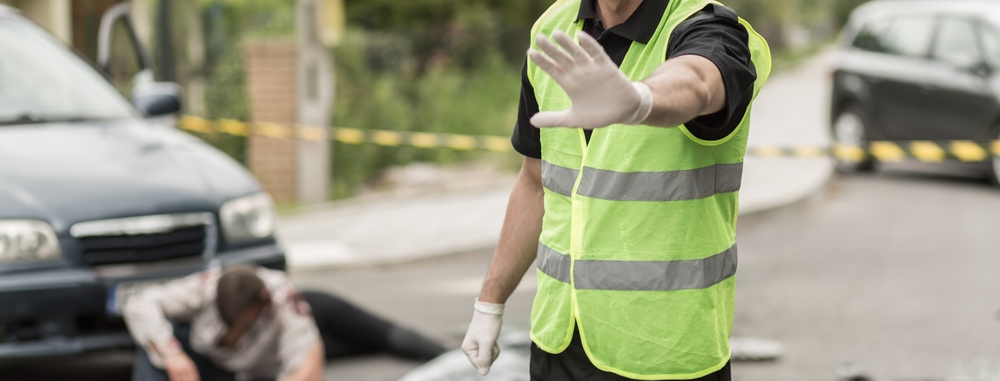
{"type": "Point", "coordinates": [99, 197]}
{"type": "Point", "coordinates": [918, 71]}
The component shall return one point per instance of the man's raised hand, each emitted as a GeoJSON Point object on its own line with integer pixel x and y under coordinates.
{"type": "Point", "coordinates": [600, 93]}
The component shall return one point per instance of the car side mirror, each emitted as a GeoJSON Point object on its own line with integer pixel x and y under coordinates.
{"type": "Point", "coordinates": [157, 98]}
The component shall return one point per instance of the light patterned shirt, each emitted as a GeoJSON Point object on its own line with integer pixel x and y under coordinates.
{"type": "Point", "coordinates": [273, 347]}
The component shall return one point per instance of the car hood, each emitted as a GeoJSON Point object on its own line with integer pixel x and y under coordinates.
{"type": "Point", "coordinates": [65, 173]}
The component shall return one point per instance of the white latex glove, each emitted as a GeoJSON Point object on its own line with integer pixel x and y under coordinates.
{"type": "Point", "coordinates": [480, 344]}
{"type": "Point", "coordinates": [601, 94]}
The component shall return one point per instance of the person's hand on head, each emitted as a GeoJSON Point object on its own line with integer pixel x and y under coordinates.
{"type": "Point", "coordinates": [600, 93]}
{"type": "Point", "coordinates": [179, 367]}
{"type": "Point", "coordinates": [243, 323]}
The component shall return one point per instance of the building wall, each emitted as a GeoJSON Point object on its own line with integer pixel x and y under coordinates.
{"type": "Point", "coordinates": [271, 70]}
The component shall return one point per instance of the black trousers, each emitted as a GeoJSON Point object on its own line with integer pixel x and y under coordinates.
{"type": "Point", "coordinates": [574, 365]}
{"type": "Point", "coordinates": [346, 331]}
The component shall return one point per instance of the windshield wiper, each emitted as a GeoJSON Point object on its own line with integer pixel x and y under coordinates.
{"type": "Point", "coordinates": [27, 118]}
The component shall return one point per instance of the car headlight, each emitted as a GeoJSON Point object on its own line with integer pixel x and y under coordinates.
{"type": "Point", "coordinates": [27, 241]}
{"type": "Point", "coordinates": [247, 218]}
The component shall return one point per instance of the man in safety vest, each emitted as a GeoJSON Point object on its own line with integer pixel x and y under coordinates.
{"type": "Point", "coordinates": [634, 118]}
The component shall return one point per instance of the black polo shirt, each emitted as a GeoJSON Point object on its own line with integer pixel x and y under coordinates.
{"type": "Point", "coordinates": [714, 33]}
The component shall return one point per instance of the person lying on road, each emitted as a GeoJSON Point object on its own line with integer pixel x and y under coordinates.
{"type": "Point", "coordinates": [250, 323]}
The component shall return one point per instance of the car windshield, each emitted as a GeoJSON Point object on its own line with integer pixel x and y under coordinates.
{"type": "Point", "coordinates": [43, 81]}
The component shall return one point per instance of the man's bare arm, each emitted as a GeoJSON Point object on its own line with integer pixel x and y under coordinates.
{"type": "Point", "coordinates": [311, 368]}
{"type": "Point", "coordinates": [148, 314]}
{"type": "Point", "coordinates": [519, 236]}
{"type": "Point", "coordinates": [684, 88]}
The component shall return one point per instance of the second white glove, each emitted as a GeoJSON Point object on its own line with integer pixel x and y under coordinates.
{"type": "Point", "coordinates": [600, 93]}
{"type": "Point", "coordinates": [480, 344]}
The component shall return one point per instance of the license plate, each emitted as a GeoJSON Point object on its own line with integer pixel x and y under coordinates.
{"type": "Point", "coordinates": [118, 295]}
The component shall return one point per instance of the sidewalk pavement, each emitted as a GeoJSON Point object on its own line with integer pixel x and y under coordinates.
{"type": "Point", "coordinates": [790, 110]}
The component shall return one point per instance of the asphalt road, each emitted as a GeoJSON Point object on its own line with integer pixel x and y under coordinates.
{"type": "Point", "coordinates": [898, 273]}
{"type": "Point", "coordinates": [895, 272]}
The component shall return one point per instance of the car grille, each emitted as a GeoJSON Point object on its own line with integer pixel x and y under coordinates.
{"type": "Point", "coordinates": [184, 242]}
{"type": "Point", "coordinates": [144, 239]}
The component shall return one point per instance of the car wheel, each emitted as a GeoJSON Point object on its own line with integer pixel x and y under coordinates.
{"type": "Point", "coordinates": [850, 130]}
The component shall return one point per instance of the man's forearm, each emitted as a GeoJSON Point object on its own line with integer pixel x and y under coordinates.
{"type": "Point", "coordinates": [519, 236]}
{"type": "Point", "coordinates": [146, 322]}
{"type": "Point", "coordinates": [684, 88]}
{"type": "Point", "coordinates": [148, 314]}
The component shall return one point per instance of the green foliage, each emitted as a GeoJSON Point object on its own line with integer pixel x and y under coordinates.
{"type": "Point", "coordinates": [427, 65]}
{"type": "Point", "coordinates": [227, 23]}
{"type": "Point", "coordinates": [225, 94]}
{"type": "Point", "coordinates": [379, 87]}
{"type": "Point", "coordinates": [266, 18]}
{"type": "Point", "coordinates": [460, 28]}
{"type": "Point", "coordinates": [225, 97]}
{"type": "Point", "coordinates": [842, 10]}
{"type": "Point", "coordinates": [431, 65]}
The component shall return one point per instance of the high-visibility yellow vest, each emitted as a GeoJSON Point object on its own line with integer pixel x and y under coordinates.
{"type": "Point", "coordinates": [638, 242]}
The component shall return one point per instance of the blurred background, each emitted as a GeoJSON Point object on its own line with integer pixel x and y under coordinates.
{"type": "Point", "coordinates": [436, 66]}
{"type": "Point", "coordinates": [380, 129]}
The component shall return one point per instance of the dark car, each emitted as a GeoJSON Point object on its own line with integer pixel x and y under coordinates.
{"type": "Point", "coordinates": [918, 71]}
{"type": "Point", "coordinates": [99, 198]}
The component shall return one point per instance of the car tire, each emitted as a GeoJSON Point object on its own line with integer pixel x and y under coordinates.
{"type": "Point", "coordinates": [850, 128]}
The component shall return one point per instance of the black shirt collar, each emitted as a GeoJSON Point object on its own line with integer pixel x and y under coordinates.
{"type": "Point", "coordinates": [639, 27]}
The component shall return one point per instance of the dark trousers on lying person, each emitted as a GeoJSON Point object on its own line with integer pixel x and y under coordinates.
{"type": "Point", "coordinates": [346, 331]}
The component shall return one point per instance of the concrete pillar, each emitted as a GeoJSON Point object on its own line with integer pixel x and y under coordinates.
{"type": "Point", "coordinates": [272, 69]}
{"type": "Point", "coordinates": [315, 103]}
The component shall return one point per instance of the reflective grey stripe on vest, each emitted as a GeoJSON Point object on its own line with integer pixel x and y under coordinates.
{"type": "Point", "coordinates": [655, 275]}
{"type": "Point", "coordinates": [559, 179]}
{"type": "Point", "coordinates": [553, 263]}
{"type": "Point", "coordinates": [639, 275]}
{"type": "Point", "coordinates": [688, 184]}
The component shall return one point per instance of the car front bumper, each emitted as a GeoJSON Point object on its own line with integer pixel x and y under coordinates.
{"type": "Point", "coordinates": [65, 311]}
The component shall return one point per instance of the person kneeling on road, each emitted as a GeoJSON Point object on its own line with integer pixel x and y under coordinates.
{"type": "Point", "coordinates": [250, 323]}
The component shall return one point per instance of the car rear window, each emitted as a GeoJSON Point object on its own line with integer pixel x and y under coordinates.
{"type": "Point", "coordinates": [904, 36]}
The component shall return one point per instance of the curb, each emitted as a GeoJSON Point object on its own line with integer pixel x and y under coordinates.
{"type": "Point", "coordinates": [799, 179]}
{"type": "Point", "coordinates": [809, 182]}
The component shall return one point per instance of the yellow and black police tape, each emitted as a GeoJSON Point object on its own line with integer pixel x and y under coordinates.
{"type": "Point", "coordinates": [925, 151]}
{"type": "Point", "coordinates": [348, 135]}
{"type": "Point", "coordinates": [892, 151]}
